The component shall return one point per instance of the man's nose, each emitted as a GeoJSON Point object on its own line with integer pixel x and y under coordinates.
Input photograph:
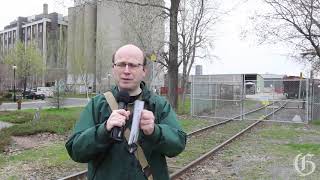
{"type": "Point", "coordinates": [126, 69]}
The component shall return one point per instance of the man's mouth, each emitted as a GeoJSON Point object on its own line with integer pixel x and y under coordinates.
{"type": "Point", "coordinates": [126, 79]}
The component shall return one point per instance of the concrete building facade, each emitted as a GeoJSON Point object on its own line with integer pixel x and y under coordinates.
{"type": "Point", "coordinates": [98, 28]}
{"type": "Point", "coordinates": [49, 32]}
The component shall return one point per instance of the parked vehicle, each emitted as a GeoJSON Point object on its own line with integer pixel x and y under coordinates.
{"type": "Point", "coordinates": [47, 91]}
{"type": "Point", "coordinates": [34, 95]}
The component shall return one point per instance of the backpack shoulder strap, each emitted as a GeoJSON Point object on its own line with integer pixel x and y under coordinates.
{"type": "Point", "coordinates": [139, 154]}
{"type": "Point", "coordinates": [111, 100]}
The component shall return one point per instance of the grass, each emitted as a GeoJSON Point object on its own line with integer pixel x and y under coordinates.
{"type": "Point", "coordinates": [275, 147]}
{"type": "Point", "coordinates": [198, 145]}
{"type": "Point", "coordinates": [252, 104]}
{"type": "Point", "coordinates": [17, 117]}
{"type": "Point", "coordinates": [190, 125]}
{"type": "Point", "coordinates": [55, 151]}
{"type": "Point", "coordinates": [52, 120]}
{"type": "Point", "coordinates": [315, 122]}
{"type": "Point", "coordinates": [303, 148]}
{"type": "Point", "coordinates": [53, 156]}
{"type": "Point", "coordinates": [73, 95]}
{"type": "Point", "coordinates": [186, 108]}
{"type": "Point", "coordinates": [276, 134]}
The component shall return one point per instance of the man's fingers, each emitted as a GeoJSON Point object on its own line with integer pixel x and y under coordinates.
{"type": "Point", "coordinates": [123, 113]}
{"type": "Point", "coordinates": [117, 124]}
{"type": "Point", "coordinates": [117, 118]}
{"type": "Point", "coordinates": [146, 121]}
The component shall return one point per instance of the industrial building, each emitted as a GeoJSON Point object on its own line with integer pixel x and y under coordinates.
{"type": "Point", "coordinates": [97, 28]}
{"type": "Point", "coordinates": [49, 32]}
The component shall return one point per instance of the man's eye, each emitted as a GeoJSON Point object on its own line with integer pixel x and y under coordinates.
{"type": "Point", "coordinates": [132, 65]}
{"type": "Point", "coordinates": [122, 64]}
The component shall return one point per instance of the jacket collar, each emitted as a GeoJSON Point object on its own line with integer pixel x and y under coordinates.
{"type": "Point", "coordinates": [146, 94]}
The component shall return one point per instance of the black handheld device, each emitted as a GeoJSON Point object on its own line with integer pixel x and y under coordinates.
{"type": "Point", "coordinates": [123, 100]}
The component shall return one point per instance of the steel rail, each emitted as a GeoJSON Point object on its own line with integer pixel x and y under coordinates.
{"type": "Point", "coordinates": [196, 162]}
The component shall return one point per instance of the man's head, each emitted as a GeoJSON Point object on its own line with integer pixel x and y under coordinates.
{"type": "Point", "coordinates": [128, 67]}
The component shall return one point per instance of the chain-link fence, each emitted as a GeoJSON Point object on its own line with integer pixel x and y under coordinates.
{"type": "Point", "coordinates": [314, 109]}
{"type": "Point", "coordinates": [216, 96]}
{"type": "Point", "coordinates": [228, 96]}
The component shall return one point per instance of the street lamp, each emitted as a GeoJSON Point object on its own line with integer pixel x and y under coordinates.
{"type": "Point", "coordinates": [14, 67]}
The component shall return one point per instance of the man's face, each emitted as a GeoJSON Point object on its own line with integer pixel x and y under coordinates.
{"type": "Point", "coordinates": [128, 70]}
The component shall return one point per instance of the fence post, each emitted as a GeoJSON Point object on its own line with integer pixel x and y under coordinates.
{"type": "Point", "coordinates": [242, 96]}
{"type": "Point", "coordinates": [273, 92]}
{"type": "Point", "coordinates": [306, 100]}
{"type": "Point", "coordinates": [312, 97]}
{"type": "Point", "coordinates": [191, 96]}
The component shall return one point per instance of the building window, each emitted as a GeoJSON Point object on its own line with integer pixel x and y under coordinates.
{"type": "Point", "coordinates": [40, 28]}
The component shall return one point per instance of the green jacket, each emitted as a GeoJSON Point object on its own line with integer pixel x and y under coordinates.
{"type": "Point", "coordinates": [91, 142]}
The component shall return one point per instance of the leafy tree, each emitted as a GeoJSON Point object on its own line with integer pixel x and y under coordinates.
{"type": "Point", "coordinates": [28, 60]}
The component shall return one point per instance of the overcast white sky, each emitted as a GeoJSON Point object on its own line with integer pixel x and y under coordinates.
{"type": "Point", "coordinates": [235, 56]}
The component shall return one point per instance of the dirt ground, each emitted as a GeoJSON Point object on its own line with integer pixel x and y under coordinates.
{"type": "Point", "coordinates": [20, 143]}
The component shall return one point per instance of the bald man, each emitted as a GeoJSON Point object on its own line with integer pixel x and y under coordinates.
{"type": "Point", "coordinates": [161, 135]}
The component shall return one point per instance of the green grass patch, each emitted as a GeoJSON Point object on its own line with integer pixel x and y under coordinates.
{"type": "Point", "coordinates": [316, 122]}
{"type": "Point", "coordinates": [184, 109]}
{"type": "Point", "coordinates": [57, 121]}
{"type": "Point", "coordinates": [189, 125]}
{"type": "Point", "coordinates": [74, 95]}
{"type": "Point", "coordinates": [276, 132]}
{"type": "Point", "coordinates": [301, 148]}
{"type": "Point", "coordinates": [54, 155]}
{"type": "Point", "coordinates": [16, 116]}
{"type": "Point", "coordinates": [249, 104]}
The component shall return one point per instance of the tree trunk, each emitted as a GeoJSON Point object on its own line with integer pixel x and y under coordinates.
{"type": "Point", "coordinates": [173, 55]}
{"type": "Point", "coordinates": [24, 86]}
{"type": "Point", "coordinates": [184, 85]}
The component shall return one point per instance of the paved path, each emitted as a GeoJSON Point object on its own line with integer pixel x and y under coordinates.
{"type": "Point", "coordinates": [69, 102]}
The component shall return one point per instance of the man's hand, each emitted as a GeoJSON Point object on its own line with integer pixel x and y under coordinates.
{"type": "Point", "coordinates": [147, 122]}
{"type": "Point", "coordinates": [117, 118]}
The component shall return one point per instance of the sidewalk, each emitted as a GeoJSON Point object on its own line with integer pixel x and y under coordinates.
{"type": "Point", "coordinates": [44, 104]}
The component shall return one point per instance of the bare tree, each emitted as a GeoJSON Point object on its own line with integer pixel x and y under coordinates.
{"type": "Point", "coordinates": [196, 18]}
{"type": "Point", "coordinates": [295, 23]}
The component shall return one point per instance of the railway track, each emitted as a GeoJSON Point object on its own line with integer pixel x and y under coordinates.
{"type": "Point", "coordinates": [83, 174]}
{"type": "Point", "coordinates": [196, 162]}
